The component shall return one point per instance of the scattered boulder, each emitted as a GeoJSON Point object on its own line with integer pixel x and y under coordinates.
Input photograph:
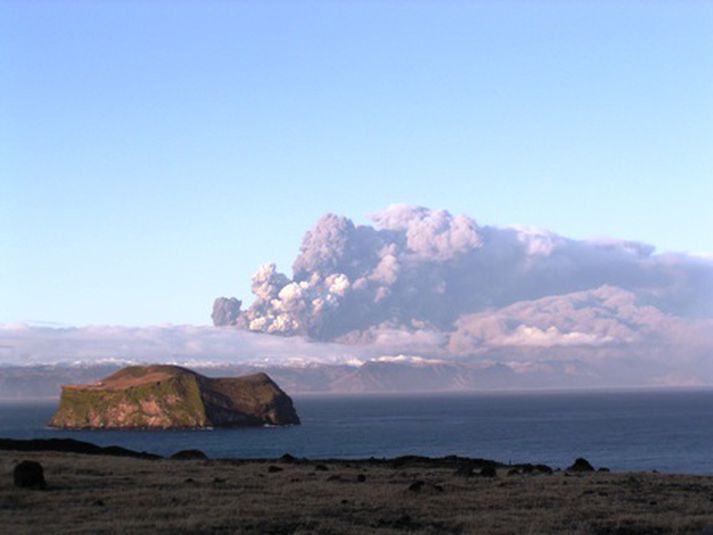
{"type": "Point", "coordinates": [29, 475]}
{"type": "Point", "coordinates": [488, 471]}
{"type": "Point", "coordinates": [405, 461]}
{"type": "Point", "coordinates": [532, 468]}
{"type": "Point", "coordinates": [581, 465]}
{"type": "Point", "coordinates": [605, 469]}
{"type": "Point", "coordinates": [464, 471]}
{"type": "Point", "coordinates": [361, 478]}
{"type": "Point", "coordinates": [421, 487]}
{"type": "Point", "coordinates": [402, 523]}
{"type": "Point", "coordinates": [543, 468]}
{"type": "Point", "coordinates": [272, 468]}
{"type": "Point", "coordinates": [320, 468]}
{"type": "Point", "coordinates": [189, 455]}
{"type": "Point", "coordinates": [287, 458]}
{"type": "Point", "coordinates": [416, 486]}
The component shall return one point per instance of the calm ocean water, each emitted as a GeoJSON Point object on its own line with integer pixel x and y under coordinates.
{"type": "Point", "coordinates": [665, 431]}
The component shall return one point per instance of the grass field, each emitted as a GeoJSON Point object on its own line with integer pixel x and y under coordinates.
{"type": "Point", "coordinates": [97, 494]}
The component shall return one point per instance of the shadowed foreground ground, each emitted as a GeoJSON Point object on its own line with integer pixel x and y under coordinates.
{"type": "Point", "coordinates": [94, 494]}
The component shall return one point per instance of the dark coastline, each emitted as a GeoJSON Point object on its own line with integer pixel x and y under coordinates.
{"type": "Point", "coordinates": [61, 445]}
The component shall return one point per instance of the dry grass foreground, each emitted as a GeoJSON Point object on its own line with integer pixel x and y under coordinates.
{"type": "Point", "coordinates": [96, 494]}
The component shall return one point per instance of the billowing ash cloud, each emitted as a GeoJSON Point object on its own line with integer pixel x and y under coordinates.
{"type": "Point", "coordinates": [452, 284]}
{"type": "Point", "coordinates": [601, 317]}
{"type": "Point", "coordinates": [226, 310]}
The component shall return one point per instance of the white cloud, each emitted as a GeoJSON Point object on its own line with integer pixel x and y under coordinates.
{"type": "Point", "coordinates": [526, 335]}
{"type": "Point", "coordinates": [24, 344]}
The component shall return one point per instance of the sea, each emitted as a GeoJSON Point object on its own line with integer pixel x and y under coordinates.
{"type": "Point", "coordinates": [666, 431]}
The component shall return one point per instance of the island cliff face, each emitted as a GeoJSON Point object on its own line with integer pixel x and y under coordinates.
{"type": "Point", "coordinates": [168, 397]}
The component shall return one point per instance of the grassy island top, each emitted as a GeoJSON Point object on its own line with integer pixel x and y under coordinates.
{"type": "Point", "coordinates": [133, 376]}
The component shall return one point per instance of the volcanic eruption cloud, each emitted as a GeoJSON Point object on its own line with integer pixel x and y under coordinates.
{"type": "Point", "coordinates": [424, 281]}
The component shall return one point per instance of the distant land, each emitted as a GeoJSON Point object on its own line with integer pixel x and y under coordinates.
{"type": "Point", "coordinates": [381, 375]}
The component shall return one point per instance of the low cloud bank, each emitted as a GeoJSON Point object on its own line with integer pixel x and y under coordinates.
{"type": "Point", "coordinates": [186, 344]}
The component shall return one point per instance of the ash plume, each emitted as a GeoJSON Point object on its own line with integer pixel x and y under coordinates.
{"type": "Point", "coordinates": [422, 274]}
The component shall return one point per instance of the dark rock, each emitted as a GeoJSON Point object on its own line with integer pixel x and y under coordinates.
{"type": "Point", "coordinates": [532, 468]}
{"type": "Point", "coordinates": [401, 523]}
{"type": "Point", "coordinates": [320, 468]}
{"type": "Point", "coordinates": [424, 488]}
{"type": "Point", "coordinates": [416, 486]}
{"type": "Point", "coordinates": [272, 468]}
{"type": "Point", "coordinates": [99, 503]}
{"type": "Point", "coordinates": [189, 455]}
{"type": "Point", "coordinates": [603, 469]}
{"type": "Point", "coordinates": [219, 480]}
{"type": "Point", "coordinates": [513, 472]}
{"type": "Point", "coordinates": [464, 471]}
{"type": "Point", "coordinates": [581, 465]}
{"type": "Point", "coordinates": [543, 468]}
{"type": "Point", "coordinates": [29, 475]}
{"type": "Point", "coordinates": [69, 445]}
{"type": "Point", "coordinates": [488, 471]}
{"type": "Point", "coordinates": [361, 478]}
{"type": "Point", "coordinates": [408, 460]}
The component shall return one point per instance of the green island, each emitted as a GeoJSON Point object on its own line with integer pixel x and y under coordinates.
{"type": "Point", "coordinates": [172, 397]}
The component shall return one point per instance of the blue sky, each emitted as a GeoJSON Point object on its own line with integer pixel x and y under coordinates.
{"type": "Point", "coordinates": [154, 154]}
